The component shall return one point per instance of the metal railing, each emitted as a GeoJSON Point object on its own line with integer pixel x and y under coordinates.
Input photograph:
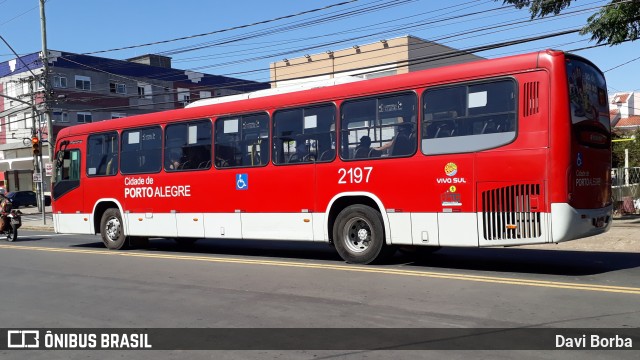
{"type": "Point", "coordinates": [626, 189]}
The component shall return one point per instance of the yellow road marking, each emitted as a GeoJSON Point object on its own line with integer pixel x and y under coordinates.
{"type": "Point", "coordinates": [352, 268]}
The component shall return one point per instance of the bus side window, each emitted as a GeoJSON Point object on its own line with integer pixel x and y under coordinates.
{"type": "Point", "coordinates": [484, 113]}
{"type": "Point", "coordinates": [141, 150]}
{"type": "Point", "coordinates": [384, 126]}
{"type": "Point", "coordinates": [241, 141]}
{"type": "Point", "coordinates": [188, 146]}
{"type": "Point", "coordinates": [304, 135]}
{"type": "Point", "coordinates": [102, 154]}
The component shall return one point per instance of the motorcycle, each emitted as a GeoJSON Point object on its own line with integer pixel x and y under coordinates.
{"type": "Point", "coordinates": [10, 219]}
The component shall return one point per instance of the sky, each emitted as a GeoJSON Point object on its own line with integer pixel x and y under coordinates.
{"type": "Point", "coordinates": [236, 46]}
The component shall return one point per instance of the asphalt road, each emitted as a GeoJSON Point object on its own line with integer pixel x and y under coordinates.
{"type": "Point", "coordinates": [63, 281]}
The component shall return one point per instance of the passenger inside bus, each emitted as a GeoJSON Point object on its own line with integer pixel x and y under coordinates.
{"type": "Point", "coordinates": [174, 161]}
{"type": "Point", "coordinates": [402, 143]}
{"type": "Point", "coordinates": [363, 149]}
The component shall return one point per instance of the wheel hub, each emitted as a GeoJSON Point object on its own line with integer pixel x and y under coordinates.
{"type": "Point", "coordinates": [113, 229]}
{"type": "Point", "coordinates": [357, 235]}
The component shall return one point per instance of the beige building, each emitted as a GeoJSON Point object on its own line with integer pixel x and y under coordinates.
{"type": "Point", "coordinates": [385, 57]}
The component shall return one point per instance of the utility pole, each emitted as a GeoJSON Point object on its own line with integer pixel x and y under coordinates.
{"type": "Point", "coordinates": [37, 155]}
{"type": "Point", "coordinates": [46, 112]}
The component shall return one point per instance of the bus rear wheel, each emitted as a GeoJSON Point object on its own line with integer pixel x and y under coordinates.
{"type": "Point", "coordinates": [112, 230]}
{"type": "Point", "coordinates": [358, 235]}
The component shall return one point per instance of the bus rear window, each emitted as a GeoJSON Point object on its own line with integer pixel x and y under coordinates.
{"type": "Point", "coordinates": [588, 103]}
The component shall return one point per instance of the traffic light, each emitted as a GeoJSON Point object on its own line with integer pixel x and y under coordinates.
{"type": "Point", "coordinates": [35, 145]}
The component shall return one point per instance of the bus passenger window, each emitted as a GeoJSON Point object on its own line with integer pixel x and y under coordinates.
{"type": "Point", "coordinates": [141, 150]}
{"type": "Point", "coordinates": [304, 135]}
{"type": "Point", "coordinates": [187, 146]}
{"type": "Point", "coordinates": [242, 141]}
{"type": "Point", "coordinates": [388, 123]}
{"type": "Point", "coordinates": [483, 113]}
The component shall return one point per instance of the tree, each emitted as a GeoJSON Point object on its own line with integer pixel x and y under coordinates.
{"type": "Point", "coordinates": [614, 23]}
{"type": "Point", "coordinates": [632, 146]}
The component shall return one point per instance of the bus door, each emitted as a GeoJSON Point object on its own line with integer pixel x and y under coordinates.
{"type": "Point", "coordinates": [68, 197]}
{"type": "Point", "coordinates": [286, 191]}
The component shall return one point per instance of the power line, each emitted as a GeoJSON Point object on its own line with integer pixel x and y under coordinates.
{"type": "Point", "coordinates": [290, 27]}
{"type": "Point", "coordinates": [440, 56]}
{"type": "Point", "coordinates": [222, 30]}
{"type": "Point", "coordinates": [625, 63]}
{"type": "Point", "coordinates": [473, 31]}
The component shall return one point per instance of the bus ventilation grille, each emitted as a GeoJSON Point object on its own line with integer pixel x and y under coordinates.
{"type": "Point", "coordinates": [511, 212]}
{"type": "Point", "coordinates": [531, 98]}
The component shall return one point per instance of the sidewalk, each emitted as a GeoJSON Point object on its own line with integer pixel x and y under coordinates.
{"type": "Point", "coordinates": [32, 219]}
{"type": "Point", "coordinates": [624, 235]}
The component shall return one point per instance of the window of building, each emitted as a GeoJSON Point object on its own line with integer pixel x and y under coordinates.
{"type": "Point", "coordinates": [83, 82]}
{"type": "Point", "coordinates": [144, 91]}
{"type": "Point", "coordinates": [11, 88]}
{"type": "Point", "coordinates": [469, 117]}
{"type": "Point", "coordinates": [188, 146]}
{"type": "Point", "coordinates": [378, 127]}
{"type": "Point", "coordinates": [59, 81]}
{"type": "Point", "coordinates": [242, 140]}
{"type": "Point", "coordinates": [205, 94]}
{"type": "Point", "coordinates": [27, 118]}
{"type": "Point", "coordinates": [141, 150]}
{"type": "Point", "coordinates": [84, 117]}
{"type": "Point", "coordinates": [304, 135]}
{"type": "Point", "coordinates": [184, 96]}
{"type": "Point", "coordinates": [117, 88]}
{"type": "Point", "coordinates": [59, 116]}
{"type": "Point", "coordinates": [13, 122]}
{"type": "Point", "coordinates": [102, 154]}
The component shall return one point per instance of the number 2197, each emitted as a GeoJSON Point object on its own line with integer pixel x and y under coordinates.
{"type": "Point", "coordinates": [354, 175]}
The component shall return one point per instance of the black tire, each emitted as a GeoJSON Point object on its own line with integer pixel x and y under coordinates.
{"type": "Point", "coordinates": [13, 234]}
{"type": "Point", "coordinates": [358, 235]}
{"type": "Point", "coordinates": [112, 230]}
{"type": "Point", "coordinates": [185, 241]}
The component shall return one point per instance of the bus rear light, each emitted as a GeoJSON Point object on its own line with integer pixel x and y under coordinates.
{"type": "Point", "coordinates": [307, 220]}
{"type": "Point", "coordinates": [195, 219]}
{"type": "Point", "coordinates": [139, 219]}
{"type": "Point", "coordinates": [86, 219]}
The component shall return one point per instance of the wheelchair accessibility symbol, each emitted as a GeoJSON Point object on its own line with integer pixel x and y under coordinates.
{"type": "Point", "coordinates": [242, 181]}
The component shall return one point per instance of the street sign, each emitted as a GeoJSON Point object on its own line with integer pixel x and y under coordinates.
{"type": "Point", "coordinates": [37, 177]}
{"type": "Point", "coordinates": [48, 169]}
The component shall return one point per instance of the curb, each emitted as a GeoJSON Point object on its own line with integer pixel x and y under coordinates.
{"type": "Point", "coordinates": [35, 227]}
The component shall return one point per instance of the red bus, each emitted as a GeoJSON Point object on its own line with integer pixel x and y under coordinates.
{"type": "Point", "coordinates": [499, 152]}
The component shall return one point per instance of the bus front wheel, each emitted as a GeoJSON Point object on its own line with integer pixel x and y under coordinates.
{"type": "Point", "coordinates": [112, 231]}
{"type": "Point", "coordinates": [358, 235]}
